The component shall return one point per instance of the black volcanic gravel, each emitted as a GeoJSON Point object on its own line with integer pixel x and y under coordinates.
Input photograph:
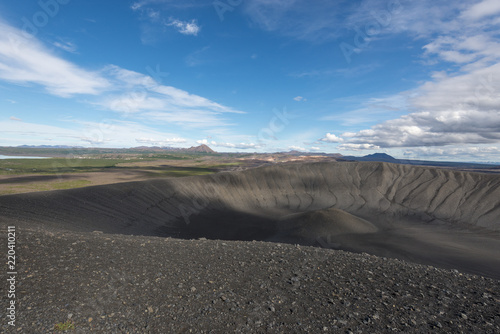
{"type": "Point", "coordinates": [131, 284]}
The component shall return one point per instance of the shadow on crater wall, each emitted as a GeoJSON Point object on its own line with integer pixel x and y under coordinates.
{"type": "Point", "coordinates": [433, 216]}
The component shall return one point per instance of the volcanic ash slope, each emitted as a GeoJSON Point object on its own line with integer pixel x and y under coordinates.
{"type": "Point", "coordinates": [115, 283]}
{"type": "Point", "coordinates": [434, 216]}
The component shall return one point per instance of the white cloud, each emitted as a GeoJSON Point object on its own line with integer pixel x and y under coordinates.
{"type": "Point", "coordinates": [202, 142]}
{"type": "Point", "coordinates": [247, 146]}
{"type": "Point", "coordinates": [243, 146]}
{"type": "Point", "coordinates": [331, 138]}
{"type": "Point", "coordinates": [433, 129]}
{"type": "Point", "coordinates": [453, 153]}
{"type": "Point", "coordinates": [27, 133]}
{"type": "Point", "coordinates": [182, 98]}
{"type": "Point", "coordinates": [153, 23]}
{"type": "Point", "coordinates": [160, 142]}
{"type": "Point", "coordinates": [482, 9]}
{"type": "Point", "coordinates": [184, 27]}
{"type": "Point", "coordinates": [136, 5]}
{"type": "Point", "coordinates": [153, 15]}
{"type": "Point", "coordinates": [478, 89]}
{"type": "Point", "coordinates": [296, 148]}
{"type": "Point", "coordinates": [320, 21]}
{"type": "Point", "coordinates": [461, 108]}
{"type": "Point", "coordinates": [299, 98]}
{"type": "Point", "coordinates": [315, 148]}
{"type": "Point", "coordinates": [25, 60]}
{"type": "Point", "coordinates": [357, 147]}
{"type": "Point", "coordinates": [301, 19]}
{"type": "Point", "coordinates": [478, 48]}
{"type": "Point", "coordinates": [186, 119]}
{"type": "Point", "coordinates": [112, 133]}
{"type": "Point", "coordinates": [168, 4]}
{"type": "Point", "coordinates": [371, 110]}
{"type": "Point", "coordinates": [66, 46]}
{"type": "Point", "coordinates": [12, 118]}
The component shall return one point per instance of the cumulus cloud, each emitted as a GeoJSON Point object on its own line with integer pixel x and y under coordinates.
{"type": "Point", "coordinates": [331, 138]}
{"type": "Point", "coordinates": [296, 148]}
{"type": "Point", "coordinates": [461, 107]}
{"type": "Point", "coordinates": [185, 27]}
{"type": "Point", "coordinates": [454, 109]}
{"type": "Point", "coordinates": [434, 129]}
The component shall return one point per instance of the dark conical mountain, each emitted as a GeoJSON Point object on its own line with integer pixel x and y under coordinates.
{"type": "Point", "coordinates": [200, 149]}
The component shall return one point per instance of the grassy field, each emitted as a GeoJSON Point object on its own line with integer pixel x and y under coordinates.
{"type": "Point", "coordinates": [31, 175]}
{"type": "Point", "coordinates": [55, 165]}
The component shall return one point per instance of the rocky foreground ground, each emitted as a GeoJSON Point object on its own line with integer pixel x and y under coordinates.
{"type": "Point", "coordinates": [107, 283]}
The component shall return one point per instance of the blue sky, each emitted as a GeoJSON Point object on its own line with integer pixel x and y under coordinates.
{"type": "Point", "coordinates": [415, 79]}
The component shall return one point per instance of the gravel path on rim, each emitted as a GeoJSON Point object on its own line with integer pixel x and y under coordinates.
{"type": "Point", "coordinates": [108, 283]}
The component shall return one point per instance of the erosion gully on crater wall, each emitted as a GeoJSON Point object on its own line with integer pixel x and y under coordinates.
{"type": "Point", "coordinates": [440, 217]}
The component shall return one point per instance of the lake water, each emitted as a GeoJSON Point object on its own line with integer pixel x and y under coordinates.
{"type": "Point", "coordinates": [20, 157]}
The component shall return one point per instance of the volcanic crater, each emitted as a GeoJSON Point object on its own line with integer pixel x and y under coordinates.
{"type": "Point", "coordinates": [440, 217]}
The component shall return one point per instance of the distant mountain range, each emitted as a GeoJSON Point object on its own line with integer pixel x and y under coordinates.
{"type": "Point", "coordinates": [377, 157]}
{"type": "Point", "coordinates": [382, 157]}
{"type": "Point", "coordinates": [199, 149]}
{"type": "Point", "coordinates": [48, 146]}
